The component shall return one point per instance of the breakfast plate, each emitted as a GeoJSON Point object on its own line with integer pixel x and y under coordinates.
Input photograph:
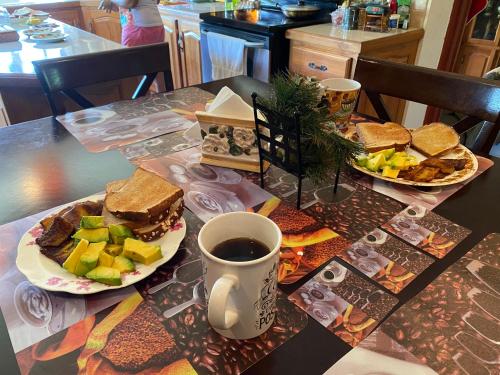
{"type": "Point", "coordinates": [50, 37]}
{"type": "Point", "coordinates": [459, 152]}
{"type": "Point", "coordinates": [49, 275]}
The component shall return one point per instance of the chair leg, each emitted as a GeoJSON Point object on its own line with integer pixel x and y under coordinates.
{"type": "Point", "coordinates": [169, 83]}
{"type": "Point", "coordinates": [144, 85]}
{"type": "Point", "coordinates": [299, 192]}
{"type": "Point", "coordinates": [261, 167]}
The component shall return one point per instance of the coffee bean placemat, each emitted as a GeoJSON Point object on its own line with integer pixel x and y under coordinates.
{"type": "Point", "coordinates": [426, 230]}
{"type": "Point", "coordinates": [356, 211]}
{"type": "Point", "coordinates": [453, 324]}
{"type": "Point", "coordinates": [386, 260]}
{"type": "Point", "coordinates": [306, 243]}
{"type": "Point", "coordinates": [344, 303]}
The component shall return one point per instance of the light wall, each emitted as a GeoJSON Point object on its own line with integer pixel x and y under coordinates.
{"type": "Point", "coordinates": [435, 25]}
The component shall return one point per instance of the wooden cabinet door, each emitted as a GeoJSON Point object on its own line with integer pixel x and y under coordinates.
{"type": "Point", "coordinates": [106, 25]}
{"type": "Point", "coordinates": [474, 60]}
{"type": "Point", "coordinates": [171, 37]}
{"type": "Point", "coordinates": [71, 17]}
{"type": "Point", "coordinates": [190, 52]}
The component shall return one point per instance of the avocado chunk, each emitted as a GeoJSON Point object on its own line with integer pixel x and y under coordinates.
{"type": "Point", "coordinates": [93, 235]}
{"type": "Point", "coordinates": [92, 222]}
{"type": "Point", "coordinates": [140, 251]}
{"type": "Point", "coordinates": [390, 172]}
{"type": "Point", "coordinates": [105, 259]}
{"type": "Point", "coordinates": [105, 275]}
{"type": "Point", "coordinates": [119, 232]}
{"type": "Point", "coordinates": [387, 153]}
{"type": "Point", "coordinates": [88, 259]}
{"type": "Point", "coordinates": [376, 163]}
{"type": "Point", "coordinates": [113, 249]}
{"type": "Point", "coordinates": [362, 161]}
{"type": "Point", "coordinates": [73, 259]}
{"type": "Point", "coordinates": [123, 264]}
{"type": "Point", "coordinates": [399, 162]}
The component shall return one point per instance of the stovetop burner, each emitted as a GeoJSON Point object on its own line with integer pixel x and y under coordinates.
{"type": "Point", "coordinates": [277, 4]}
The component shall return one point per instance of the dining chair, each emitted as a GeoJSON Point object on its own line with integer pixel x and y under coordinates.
{"type": "Point", "coordinates": [67, 74]}
{"type": "Point", "coordinates": [476, 98]}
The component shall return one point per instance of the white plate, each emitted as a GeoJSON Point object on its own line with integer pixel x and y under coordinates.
{"type": "Point", "coordinates": [49, 275]}
{"type": "Point", "coordinates": [53, 38]}
{"type": "Point", "coordinates": [459, 152]}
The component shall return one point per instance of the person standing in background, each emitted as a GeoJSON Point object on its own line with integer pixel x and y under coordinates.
{"type": "Point", "coordinates": [140, 19]}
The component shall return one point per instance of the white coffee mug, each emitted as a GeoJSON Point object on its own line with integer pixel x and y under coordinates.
{"type": "Point", "coordinates": [241, 295]}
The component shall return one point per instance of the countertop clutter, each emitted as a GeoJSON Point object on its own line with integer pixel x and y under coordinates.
{"type": "Point", "coordinates": [16, 57]}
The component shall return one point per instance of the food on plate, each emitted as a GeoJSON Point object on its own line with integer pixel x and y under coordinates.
{"type": "Point", "coordinates": [434, 139]}
{"type": "Point", "coordinates": [88, 240]}
{"type": "Point", "coordinates": [141, 251]}
{"type": "Point", "coordinates": [388, 161]}
{"type": "Point", "coordinates": [145, 203]}
{"type": "Point", "coordinates": [434, 168]}
{"type": "Point", "coordinates": [139, 342]}
{"type": "Point", "coordinates": [105, 275]}
{"type": "Point", "coordinates": [376, 137]}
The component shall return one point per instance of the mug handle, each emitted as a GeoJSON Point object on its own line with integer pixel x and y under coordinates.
{"type": "Point", "coordinates": [218, 314]}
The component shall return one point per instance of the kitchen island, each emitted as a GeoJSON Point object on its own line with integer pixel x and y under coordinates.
{"type": "Point", "coordinates": [18, 83]}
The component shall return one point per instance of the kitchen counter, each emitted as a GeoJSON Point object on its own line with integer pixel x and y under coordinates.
{"type": "Point", "coordinates": [27, 3]}
{"type": "Point", "coordinates": [329, 36]}
{"type": "Point", "coordinates": [16, 57]}
{"type": "Point", "coordinates": [191, 9]}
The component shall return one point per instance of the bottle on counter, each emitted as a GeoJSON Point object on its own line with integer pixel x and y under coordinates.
{"type": "Point", "coordinates": [394, 6]}
{"type": "Point", "coordinates": [404, 13]}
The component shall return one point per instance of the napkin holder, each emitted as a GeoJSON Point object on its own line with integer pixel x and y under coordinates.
{"type": "Point", "coordinates": [229, 141]}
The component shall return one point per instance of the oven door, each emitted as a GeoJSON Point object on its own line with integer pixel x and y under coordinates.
{"type": "Point", "coordinates": [258, 54]}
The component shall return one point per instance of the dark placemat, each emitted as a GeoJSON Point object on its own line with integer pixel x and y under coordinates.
{"type": "Point", "coordinates": [358, 211]}
{"type": "Point", "coordinates": [386, 260]}
{"type": "Point", "coordinates": [344, 303]}
{"type": "Point", "coordinates": [426, 230]}
{"type": "Point", "coordinates": [123, 123]}
{"type": "Point", "coordinates": [306, 243]}
{"type": "Point", "coordinates": [453, 324]}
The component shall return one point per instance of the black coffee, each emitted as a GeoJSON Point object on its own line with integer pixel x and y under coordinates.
{"type": "Point", "coordinates": [240, 250]}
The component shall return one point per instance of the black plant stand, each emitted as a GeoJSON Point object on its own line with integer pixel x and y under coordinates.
{"type": "Point", "coordinates": [279, 143]}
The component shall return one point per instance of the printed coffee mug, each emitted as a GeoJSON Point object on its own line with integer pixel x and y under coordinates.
{"type": "Point", "coordinates": [241, 295]}
{"type": "Point", "coordinates": [341, 95]}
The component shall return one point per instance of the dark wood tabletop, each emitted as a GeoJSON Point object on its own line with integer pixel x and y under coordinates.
{"type": "Point", "coordinates": [42, 166]}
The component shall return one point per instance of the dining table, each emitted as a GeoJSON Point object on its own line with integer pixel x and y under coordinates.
{"type": "Point", "coordinates": [43, 166]}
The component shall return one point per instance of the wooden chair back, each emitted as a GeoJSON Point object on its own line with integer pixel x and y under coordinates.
{"type": "Point", "coordinates": [477, 98]}
{"type": "Point", "coordinates": [66, 74]}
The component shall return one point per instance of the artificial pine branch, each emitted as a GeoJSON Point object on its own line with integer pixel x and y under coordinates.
{"type": "Point", "coordinates": [323, 149]}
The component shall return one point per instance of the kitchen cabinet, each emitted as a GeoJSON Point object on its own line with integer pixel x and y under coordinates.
{"type": "Point", "coordinates": [190, 52]}
{"type": "Point", "coordinates": [106, 25]}
{"type": "Point", "coordinates": [480, 47]}
{"type": "Point", "coordinates": [182, 33]}
{"type": "Point", "coordinates": [322, 51]}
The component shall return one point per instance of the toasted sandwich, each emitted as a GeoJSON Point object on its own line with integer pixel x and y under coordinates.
{"type": "Point", "coordinates": [376, 137]}
{"type": "Point", "coordinates": [434, 139]}
{"type": "Point", "coordinates": [146, 203]}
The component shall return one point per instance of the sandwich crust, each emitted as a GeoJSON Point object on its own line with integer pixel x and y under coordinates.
{"type": "Point", "coordinates": [144, 197]}
{"type": "Point", "coordinates": [376, 137]}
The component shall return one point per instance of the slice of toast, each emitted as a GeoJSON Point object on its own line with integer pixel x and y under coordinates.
{"type": "Point", "coordinates": [145, 197]}
{"type": "Point", "coordinates": [434, 139]}
{"type": "Point", "coordinates": [376, 137]}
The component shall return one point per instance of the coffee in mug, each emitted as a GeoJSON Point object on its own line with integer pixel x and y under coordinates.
{"type": "Point", "coordinates": [240, 254]}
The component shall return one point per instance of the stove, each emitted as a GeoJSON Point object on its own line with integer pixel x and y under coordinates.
{"type": "Point", "coordinates": [264, 31]}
